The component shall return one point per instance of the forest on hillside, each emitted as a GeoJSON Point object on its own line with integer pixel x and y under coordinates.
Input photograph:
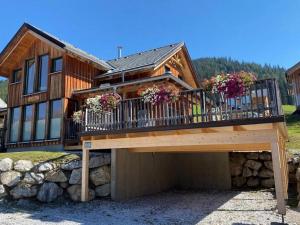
{"type": "Point", "coordinates": [207, 67]}
{"type": "Point", "coordinates": [3, 90]}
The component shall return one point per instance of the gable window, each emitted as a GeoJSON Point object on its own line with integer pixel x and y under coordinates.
{"type": "Point", "coordinates": [43, 72]}
{"type": "Point", "coordinates": [57, 65]}
{"type": "Point", "coordinates": [16, 77]}
{"type": "Point", "coordinates": [40, 123]}
{"type": "Point", "coordinates": [55, 118]}
{"type": "Point", "coordinates": [29, 76]}
{"type": "Point", "coordinates": [14, 124]}
{"type": "Point", "coordinates": [27, 123]}
{"type": "Point", "coordinates": [167, 69]}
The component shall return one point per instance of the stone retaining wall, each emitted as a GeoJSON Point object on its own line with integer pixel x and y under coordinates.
{"type": "Point", "coordinates": [255, 170]}
{"type": "Point", "coordinates": [48, 181]}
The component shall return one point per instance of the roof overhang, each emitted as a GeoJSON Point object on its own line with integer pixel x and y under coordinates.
{"type": "Point", "coordinates": [293, 69]}
{"type": "Point", "coordinates": [26, 29]}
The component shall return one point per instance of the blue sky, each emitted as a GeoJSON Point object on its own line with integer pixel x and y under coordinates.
{"type": "Point", "coordinates": [262, 31]}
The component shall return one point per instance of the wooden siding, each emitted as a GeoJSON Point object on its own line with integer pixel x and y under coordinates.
{"type": "Point", "coordinates": [294, 80]}
{"type": "Point", "coordinates": [15, 90]}
{"type": "Point", "coordinates": [78, 75]}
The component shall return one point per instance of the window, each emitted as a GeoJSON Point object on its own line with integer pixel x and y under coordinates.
{"type": "Point", "coordinates": [27, 123]}
{"type": "Point", "coordinates": [14, 125]}
{"type": "Point", "coordinates": [16, 76]}
{"type": "Point", "coordinates": [40, 123]}
{"type": "Point", "coordinates": [29, 76]}
{"type": "Point", "coordinates": [55, 119]}
{"type": "Point", "coordinates": [56, 65]}
{"type": "Point", "coordinates": [167, 69]}
{"type": "Point", "coordinates": [43, 72]}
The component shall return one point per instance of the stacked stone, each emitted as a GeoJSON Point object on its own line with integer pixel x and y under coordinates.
{"type": "Point", "coordinates": [251, 170]}
{"type": "Point", "coordinates": [294, 173]}
{"type": "Point", "coordinates": [48, 181]}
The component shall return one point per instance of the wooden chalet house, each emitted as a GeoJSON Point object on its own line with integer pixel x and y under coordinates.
{"type": "Point", "coordinates": [293, 78]}
{"type": "Point", "coordinates": [49, 79]}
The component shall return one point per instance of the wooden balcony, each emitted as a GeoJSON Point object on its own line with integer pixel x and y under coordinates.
{"type": "Point", "coordinates": [193, 109]}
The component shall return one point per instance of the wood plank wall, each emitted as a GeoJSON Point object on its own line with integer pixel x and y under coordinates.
{"type": "Point", "coordinates": [15, 90]}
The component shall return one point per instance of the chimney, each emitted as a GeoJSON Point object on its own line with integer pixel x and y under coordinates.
{"type": "Point", "coordinates": [119, 51]}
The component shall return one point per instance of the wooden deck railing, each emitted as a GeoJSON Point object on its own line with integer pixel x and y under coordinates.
{"type": "Point", "coordinates": [194, 107]}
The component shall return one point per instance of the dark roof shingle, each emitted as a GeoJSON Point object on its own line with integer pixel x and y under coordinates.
{"type": "Point", "coordinates": [150, 58]}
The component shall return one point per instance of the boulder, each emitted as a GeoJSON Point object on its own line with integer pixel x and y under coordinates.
{"type": "Point", "coordinates": [10, 178]}
{"type": "Point", "coordinates": [296, 160]}
{"type": "Point", "coordinates": [298, 174]}
{"type": "Point", "coordinates": [291, 167]}
{"type": "Point", "coordinates": [49, 192]}
{"type": "Point", "coordinates": [252, 155]}
{"type": "Point", "coordinates": [103, 191]}
{"type": "Point", "coordinates": [247, 172]}
{"type": "Point", "coordinates": [265, 173]}
{"type": "Point", "coordinates": [6, 164]}
{"type": "Point", "coordinates": [252, 164]}
{"type": "Point", "coordinates": [265, 156]}
{"type": "Point", "coordinates": [45, 167]}
{"type": "Point", "coordinates": [23, 165]}
{"type": "Point", "coordinates": [64, 184]}
{"type": "Point", "coordinates": [254, 173]}
{"type": "Point", "coordinates": [237, 158]}
{"type": "Point", "coordinates": [98, 161]}
{"type": "Point", "coordinates": [2, 191]}
{"type": "Point", "coordinates": [253, 182]}
{"type": "Point", "coordinates": [75, 193]}
{"type": "Point", "coordinates": [23, 190]}
{"type": "Point", "coordinates": [75, 164]}
{"type": "Point", "coordinates": [238, 181]}
{"type": "Point", "coordinates": [235, 169]}
{"type": "Point", "coordinates": [100, 176]}
{"type": "Point", "coordinates": [56, 176]}
{"type": "Point", "coordinates": [34, 178]}
{"type": "Point", "coordinates": [268, 183]}
{"type": "Point", "coordinates": [269, 165]}
{"type": "Point", "coordinates": [75, 177]}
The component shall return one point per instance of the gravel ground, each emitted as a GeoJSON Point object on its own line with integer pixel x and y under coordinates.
{"type": "Point", "coordinates": [173, 207]}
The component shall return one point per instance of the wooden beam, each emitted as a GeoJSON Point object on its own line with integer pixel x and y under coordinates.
{"type": "Point", "coordinates": [277, 167]}
{"type": "Point", "coordinates": [208, 148]}
{"type": "Point", "coordinates": [232, 138]}
{"type": "Point", "coordinates": [85, 175]}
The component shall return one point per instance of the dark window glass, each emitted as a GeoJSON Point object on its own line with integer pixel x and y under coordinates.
{"type": "Point", "coordinates": [27, 123]}
{"type": "Point", "coordinates": [40, 123]}
{"type": "Point", "coordinates": [167, 69]}
{"type": "Point", "coordinates": [29, 80]}
{"type": "Point", "coordinates": [55, 119]}
{"type": "Point", "coordinates": [43, 72]}
{"type": "Point", "coordinates": [17, 76]}
{"type": "Point", "coordinates": [57, 65]}
{"type": "Point", "coordinates": [14, 124]}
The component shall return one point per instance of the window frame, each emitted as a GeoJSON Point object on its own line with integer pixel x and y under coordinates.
{"type": "Point", "coordinates": [25, 91]}
{"type": "Point", "coordinates": [50, 117]}
{"type": "Point", "coordinates": [52, 64]}
{"type": "Point", "coordinates": [36, 117]}
{"type": "Point", "coordinates": [13, 81]}
{"type": "Point", "coordinates": [31, 122]}
{"type": "Point", "coordinates": [12, 112]}
{"type": "Point", "coordinates": [38, 74]}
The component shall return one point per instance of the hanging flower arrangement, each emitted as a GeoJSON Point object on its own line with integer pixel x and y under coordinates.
{"type": "Point", "coordinates": [99, 104]}
{"type": "Point", "coordinates": [158, 94]}
{"type": "Point", "coordinates": [232, 85]}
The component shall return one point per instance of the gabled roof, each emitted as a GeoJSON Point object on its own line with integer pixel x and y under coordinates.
{"type": "Point", "coordinates": [293, 69]}
{"type": "Point", "coordinates": [142, 60]}
{"type": "Point", "coordinates": [62, 44]}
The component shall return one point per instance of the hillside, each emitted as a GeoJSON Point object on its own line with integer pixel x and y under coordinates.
{"type": "Point", "coordinates": [207, 67]}
{"type": "Point", "coordinates": [3, 90]}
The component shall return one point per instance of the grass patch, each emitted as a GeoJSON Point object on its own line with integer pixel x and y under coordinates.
{"type": "Point", "coordinates": [40, 156]}
{"type": "Point", "coordinates": [293, 125]}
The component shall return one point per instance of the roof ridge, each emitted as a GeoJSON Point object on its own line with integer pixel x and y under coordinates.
{"type": "Point", "coordinates": [149, 50]}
